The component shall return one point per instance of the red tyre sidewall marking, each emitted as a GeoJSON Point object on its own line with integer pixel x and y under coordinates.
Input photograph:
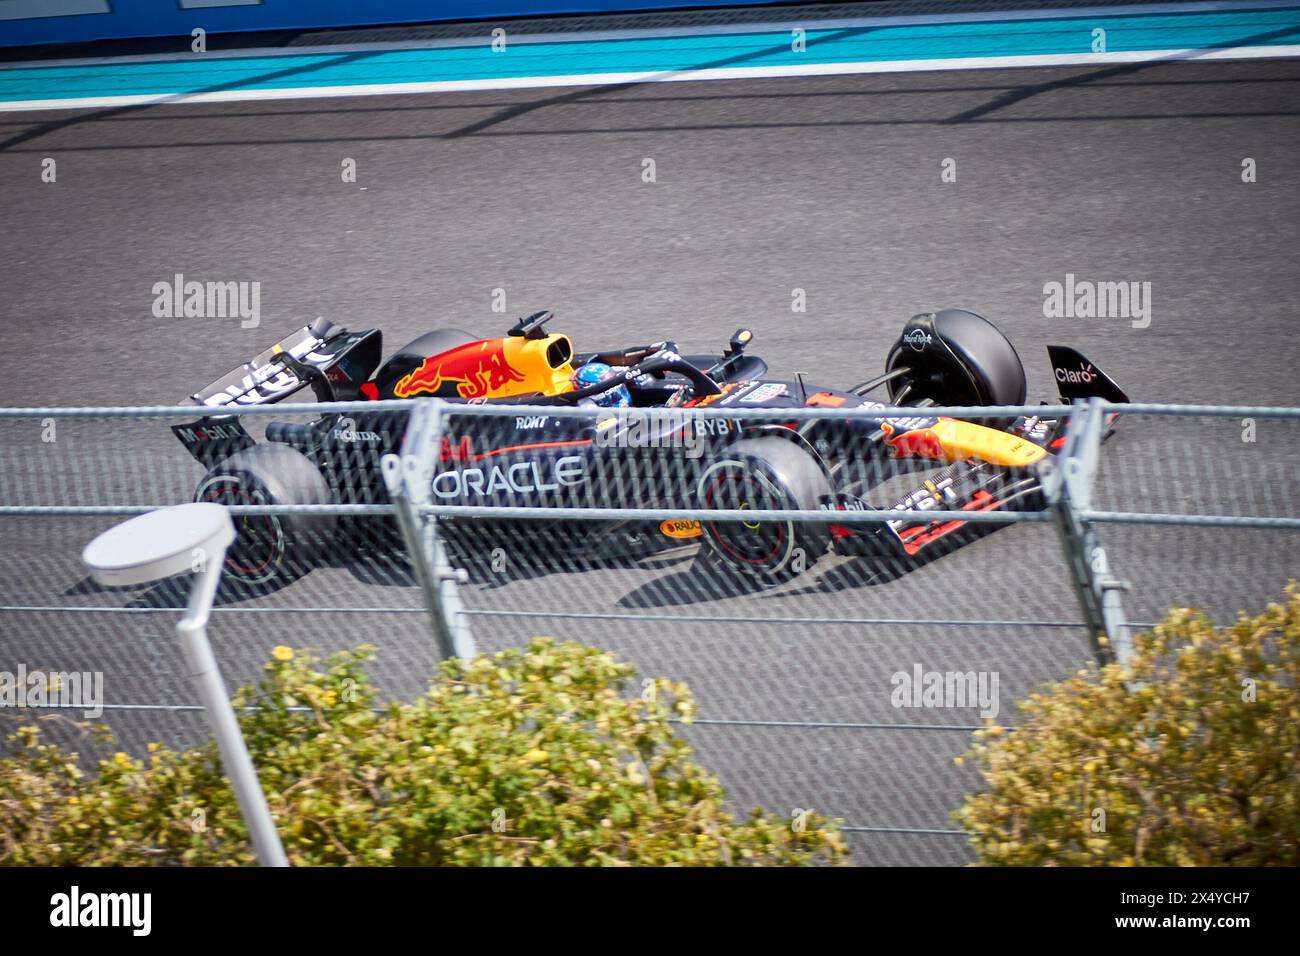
{"type": "Point", "coordinates": [222, 487]}
{"type": "Point", "coordinates": [722, 542]}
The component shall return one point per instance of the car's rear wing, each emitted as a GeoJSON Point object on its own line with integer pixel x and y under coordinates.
{"type": "Point", "coordinates": [270, 376]}
{"type": "Point", "coordinates": [334, 361]}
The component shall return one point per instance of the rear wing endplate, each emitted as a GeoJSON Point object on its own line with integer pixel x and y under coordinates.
{"type": "Point", "coordinates": [265, 378]}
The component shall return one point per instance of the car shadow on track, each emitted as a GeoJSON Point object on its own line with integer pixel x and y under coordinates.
{"type": "Point", "coordinates": [705, 581]}
{"type": "Point", "coordinates": [495, 562]}
{"type": "Point", "coordinates": [377, 568]}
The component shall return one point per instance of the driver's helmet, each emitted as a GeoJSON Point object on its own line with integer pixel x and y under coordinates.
{"type": "Point", "coordinates": [595, 372]}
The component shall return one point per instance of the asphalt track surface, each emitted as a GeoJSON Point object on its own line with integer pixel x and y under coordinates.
{"type": "Point", "coordinates": [831, 185]}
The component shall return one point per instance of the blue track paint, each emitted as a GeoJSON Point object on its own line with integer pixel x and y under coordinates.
{"type": "Point", "coordinates": [866, 43]}
{"type": "Point", "coordinates": [31, 22]}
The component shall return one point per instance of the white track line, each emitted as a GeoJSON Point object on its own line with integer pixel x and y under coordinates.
{"type": "Point", "coordinates": [663, 76]}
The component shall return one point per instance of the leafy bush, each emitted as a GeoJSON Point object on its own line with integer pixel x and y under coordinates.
{"type": "Point", "coordinates": [533, 756]}
{"type": "Point", "coordinates": [1190, 756]}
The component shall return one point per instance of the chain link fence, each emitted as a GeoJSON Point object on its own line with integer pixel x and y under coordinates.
{"type": "Point", "coordinates": [844, 626]}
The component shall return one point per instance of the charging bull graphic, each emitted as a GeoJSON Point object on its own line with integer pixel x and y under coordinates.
{"type": "Point", "coordinates": [914, 438]}
{"type": "Point", "coordinates": [477, 370]}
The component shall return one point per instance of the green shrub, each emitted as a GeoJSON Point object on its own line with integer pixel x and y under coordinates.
{"type": "Point", "coordinates": [525, 757]}
{"type": "Point", "coordinates": [1190, 756]}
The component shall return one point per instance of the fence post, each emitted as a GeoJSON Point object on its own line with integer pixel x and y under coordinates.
{"type": "Point", "coordinates": [409, 478]}
{"type": "Point", "coordinates": [1068, 488]}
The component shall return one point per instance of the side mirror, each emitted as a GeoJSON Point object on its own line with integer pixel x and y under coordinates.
{"type": "Point", "coordinates": [739, 339]}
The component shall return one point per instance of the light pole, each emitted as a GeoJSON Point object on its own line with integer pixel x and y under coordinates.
{"type": "Point", "coordinates": [192, 538]}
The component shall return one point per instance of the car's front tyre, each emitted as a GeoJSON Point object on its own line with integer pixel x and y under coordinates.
{"type": "Point", "coordinates": [765, 474]}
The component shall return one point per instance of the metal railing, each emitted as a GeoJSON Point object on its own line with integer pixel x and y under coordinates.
{"type": "Point", "coordinates": [772, 664]}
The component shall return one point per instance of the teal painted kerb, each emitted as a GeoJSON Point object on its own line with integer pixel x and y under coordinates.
{"type": "Point", "coordinates": [1261, 28]}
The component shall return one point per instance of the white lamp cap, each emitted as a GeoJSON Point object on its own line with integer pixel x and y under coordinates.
{"type": "Point", "coordinates": [156, 545]}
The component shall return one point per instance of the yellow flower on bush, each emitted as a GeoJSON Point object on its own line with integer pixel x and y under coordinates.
{"type": "Point", "coordinates": [461, 758]}
{"type": "Point", "coordinates": [1172, 723]}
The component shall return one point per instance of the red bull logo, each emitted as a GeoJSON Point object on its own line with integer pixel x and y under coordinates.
{"type": "Point", "coordinates": [478, 370]}
{"type": "Point", "coordinates": [914, 443]}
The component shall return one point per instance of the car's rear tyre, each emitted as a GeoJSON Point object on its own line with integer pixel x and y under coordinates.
{"type": "Point", "coordinates": [271, 550]}
{"type": "Point", "coordinates": [955, 357]}
{"type": "Point", "coordinates": [767, 473]}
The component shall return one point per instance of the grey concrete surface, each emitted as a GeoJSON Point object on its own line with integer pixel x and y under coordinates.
{"type": "Point", "coordinates": [831, 185]}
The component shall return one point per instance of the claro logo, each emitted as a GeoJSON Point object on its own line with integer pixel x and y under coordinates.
{"type": "Point", "coordinates": [1082, 376]}
{"type": "Point", "coordinates": [520, 478]}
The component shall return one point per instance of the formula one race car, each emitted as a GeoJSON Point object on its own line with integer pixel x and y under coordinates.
{"type": "Point", "coordinates": [617, 458]}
